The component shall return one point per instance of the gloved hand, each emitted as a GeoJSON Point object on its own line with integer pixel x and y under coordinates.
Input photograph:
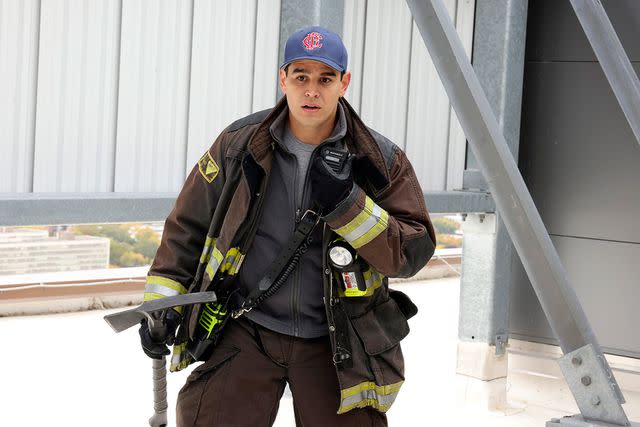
{"type": "Point", "coordinates": [329, 188]}
{"type": "Point", "coordinates": [154, 342]}
{"type": "Point", "coordinates": [365, 169]}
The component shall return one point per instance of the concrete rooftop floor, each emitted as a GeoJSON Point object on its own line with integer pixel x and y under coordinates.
{"type": "Point", "coordinates": [72, 370]}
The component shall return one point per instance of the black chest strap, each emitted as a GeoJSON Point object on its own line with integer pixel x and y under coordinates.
{"type": "Point", "coordinates": [283, 265]}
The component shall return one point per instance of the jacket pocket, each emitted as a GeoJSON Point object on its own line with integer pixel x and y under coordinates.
{"type": "Point", "coordinates": [381, 328]}
{"type": "Point", "coordinates": [219, 356]}
{"type": "Point", "coordinates": [378, 365]}
{"type": "Point", "coordinates": [407, 307]}
{"type": "Point", "coordinates": [198, 387]}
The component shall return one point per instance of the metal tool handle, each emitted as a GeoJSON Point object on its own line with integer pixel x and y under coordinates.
{"type": "Point", "coordinates": [159, 418]}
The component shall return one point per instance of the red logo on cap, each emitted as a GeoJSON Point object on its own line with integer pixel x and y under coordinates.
{"type": "Point", "coordinates": [312, 41]}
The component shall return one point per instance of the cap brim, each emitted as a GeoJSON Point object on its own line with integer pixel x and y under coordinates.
{"type": "Point", "coordinates": [325, 61]}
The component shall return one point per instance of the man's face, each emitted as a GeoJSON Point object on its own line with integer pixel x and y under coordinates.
{"type": "Point", "coordinates": [313, 90]}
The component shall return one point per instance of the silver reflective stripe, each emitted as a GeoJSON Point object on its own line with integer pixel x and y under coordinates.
{"type": "Point", "coordinates": [383, 400]}
{"type": "Point", "coordinates": [175, 360]}
{"type": "Point", "coordinates": [180, 358]}
{"type": "Point", "coordinates": [368, 224]}
{"type": "Point", "coordinates": [375, 277]}
{"type": "Point", "coordinates": [160, 289]}
{"type": "Point", "coordinates": [212, 266]}
{"type": "Point", "coordinates": [230, 258]}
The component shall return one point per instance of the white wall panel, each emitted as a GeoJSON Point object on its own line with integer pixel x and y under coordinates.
{"type": "Point", "coordinates": [153, 95]}
{"type": "Point", "coordinates": [19, 21]}
{"type": "Point", "coordinates": [222, 70]}
{"type": "Point", "coordinates": [428, 116]}
{"type": "Point", "coordinates": [113, 95]}
{"type": "Point", "coordinates": [457, 141]}
{"type": "Point", "coordinates": [386, 68]}
{"type": "Point", "coordinates": [353, 38]}
{"type": "Point", "coordinates": [77, 77]}
{"type": "Point", "coordinates": [400, 93]}
{"type": "Point", "coordinates": [265, 72]}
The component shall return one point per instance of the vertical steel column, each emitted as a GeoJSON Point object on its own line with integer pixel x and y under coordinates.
{"type": "Point", "coordinates": [498, 61]}
{"type": "Point", "coordinates": [612, 57]}
{"type": "Point", "coordinates": [538, 255]}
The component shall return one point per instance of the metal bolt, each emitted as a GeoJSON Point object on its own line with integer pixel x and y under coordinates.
{"type": "Point", "coordinates": [577, 360]}
{"type": "Point", "coordinates": [595, 400]}
{"type": "Point", "coordinates": [586, 380]}
{"type": "Point", "coordinates": [327, 271]}
{"type": "Point", "coordinates": [332, 328]}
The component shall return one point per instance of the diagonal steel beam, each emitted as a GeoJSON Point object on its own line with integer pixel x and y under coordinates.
{"type": "Point", "coordinates": [613, 59]}
{"type": "Point", "coordinates": [513, 201]}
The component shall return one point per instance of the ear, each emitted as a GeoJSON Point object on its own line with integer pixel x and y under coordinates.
{"type": "Point", "coordinates": [346, 79]}
{"type": "Point", "coordinates": [282, 80]}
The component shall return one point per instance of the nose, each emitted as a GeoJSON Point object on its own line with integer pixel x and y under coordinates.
{"type": "Point", "coordinates": [311, 92]}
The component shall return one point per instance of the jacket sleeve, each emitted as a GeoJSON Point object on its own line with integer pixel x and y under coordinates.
{"type": "Point", "coordinates": [185, 230]}
{"type": "Point", "coordinates": [392, 233]}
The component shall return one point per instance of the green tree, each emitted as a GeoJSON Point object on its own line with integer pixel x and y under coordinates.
{"type": "Point", "coordinates": [116, 250]}
{"type": "Point", "coordinates": [86, 229]}
{"type": "Point", "coordinates": [147, 242]}
{"type": "Point", "coordinates": [444, 241]}
{"type": "Point", "coordinates": [133, 259]}
{"type": "Point", "coordinates": [445, 225]}
{"type": "Point", "coordinates": [119, 232]}
{"type": "Point", "coordinates": [126, 250]}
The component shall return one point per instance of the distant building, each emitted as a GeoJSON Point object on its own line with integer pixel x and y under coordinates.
{"type": "Point", "coordinates": [33, 251]}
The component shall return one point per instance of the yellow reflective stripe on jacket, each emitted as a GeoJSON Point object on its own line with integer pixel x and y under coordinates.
{"type": "Point", "coordinates": [160, 287]}
{"type": "Point", "coordinates": [368, 224]}
{"type": "Point", "coordinates": [180, 359]}
{"type": "Point", "coordinates": [372, 279]}
{"type": "Point", "coordinates": [369, 394]}
{"type": "Point", "coordinates": [214, 262]}
{"type": "Point", "coordinates": [232, 261]}
{"type": "Point", "coordinates": [163, 287]}
{"type": "Point", "coordinates": [205, 251]}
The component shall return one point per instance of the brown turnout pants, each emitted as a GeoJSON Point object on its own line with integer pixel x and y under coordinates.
{"type": "Point", "coordinates": [242, 382]}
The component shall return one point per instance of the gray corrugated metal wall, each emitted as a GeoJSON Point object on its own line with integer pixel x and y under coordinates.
{"type": "Point", "coordinates": [106, 95]}
{"type": "Point", "coordinates": [581, 163]}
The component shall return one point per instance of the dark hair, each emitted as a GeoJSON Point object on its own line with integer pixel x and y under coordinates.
{"type": "Point", "coordinates": [286, 71]}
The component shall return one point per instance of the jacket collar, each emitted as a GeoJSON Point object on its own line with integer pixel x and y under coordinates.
{"type": "Point", "coordinates": [359, 139]}
{"type": "Point", "coordinates": [278, 127]}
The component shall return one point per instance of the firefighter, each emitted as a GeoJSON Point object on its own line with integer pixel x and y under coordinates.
{"type": "Point", "coordinates": [332, 331]}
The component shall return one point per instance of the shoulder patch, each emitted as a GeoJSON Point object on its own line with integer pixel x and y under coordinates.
{"type": "Point", "coordinates": [208, 167]}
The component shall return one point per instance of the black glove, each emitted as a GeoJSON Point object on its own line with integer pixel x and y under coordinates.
{"type": "Point", "coordinates": [329, 188]}
{"type": "Point", "coordinates": [364, 169]}
{"type": "Point", "coordinates": [154, 342]}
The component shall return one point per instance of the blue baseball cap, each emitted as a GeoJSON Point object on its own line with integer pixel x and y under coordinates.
{"type": "Point", "coordinates": [317, 44]}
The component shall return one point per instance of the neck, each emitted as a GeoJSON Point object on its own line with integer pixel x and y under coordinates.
{"type": "Point", "coordinates": [312, 135]}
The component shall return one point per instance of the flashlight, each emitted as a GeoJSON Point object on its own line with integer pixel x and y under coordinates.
{"type": "Point", "coordinates": [345, 261]}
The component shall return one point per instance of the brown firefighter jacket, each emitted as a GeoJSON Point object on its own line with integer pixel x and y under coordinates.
{"type": "Point", "coordinates": [210, 229]}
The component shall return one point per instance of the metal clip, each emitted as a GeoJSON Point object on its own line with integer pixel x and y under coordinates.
{"type": "Point", "coordinates": [242, 310]}
{"type": "Point", "coordinates": [315, 217]}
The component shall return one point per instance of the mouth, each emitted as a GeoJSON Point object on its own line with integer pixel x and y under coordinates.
{"type": "Point", "coordinates": [310, 107]}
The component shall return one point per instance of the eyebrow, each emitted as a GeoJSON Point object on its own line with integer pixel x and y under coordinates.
{"type": "Point", "coordinates": [326, 73]}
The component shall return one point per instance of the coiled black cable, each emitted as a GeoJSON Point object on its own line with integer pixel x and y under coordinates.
{"type": "Point", "coordinates": [295, 259]}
